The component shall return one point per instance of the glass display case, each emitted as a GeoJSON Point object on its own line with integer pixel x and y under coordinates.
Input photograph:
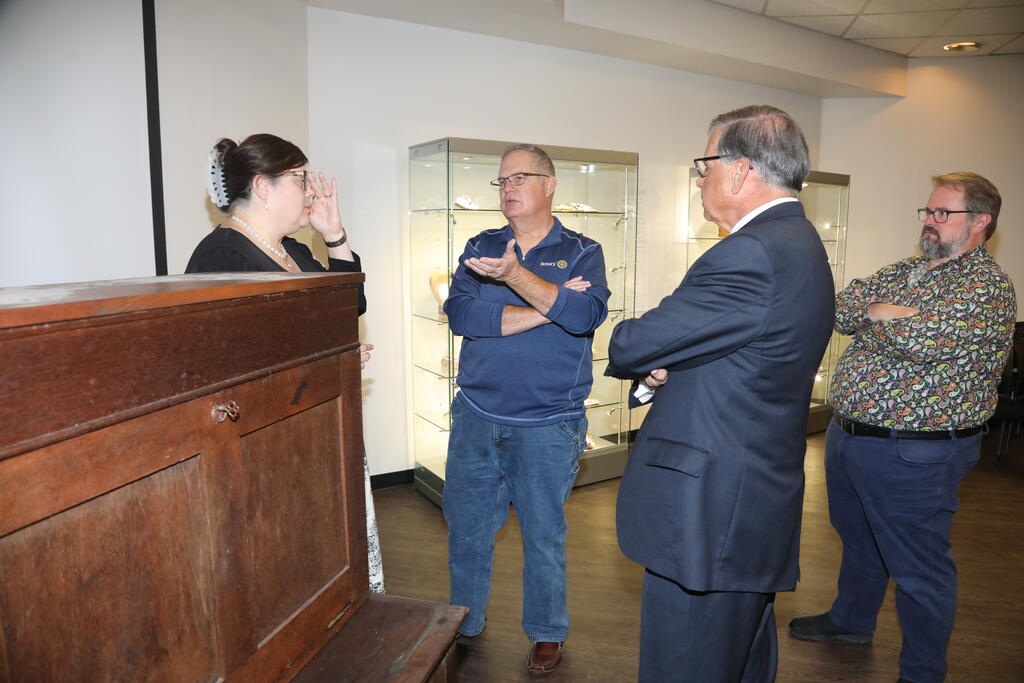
{"type": "Point", "coordinates": [826, 200]}
{"type": "Point", "coordinates": [450, 201]}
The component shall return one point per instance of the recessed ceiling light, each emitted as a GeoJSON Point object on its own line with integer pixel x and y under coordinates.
{"type": "Point", "coordinates": [966, 46]}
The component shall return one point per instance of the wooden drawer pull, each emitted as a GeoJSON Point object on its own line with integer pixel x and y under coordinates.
{"type": "Point", "coordinates": [228, 410]}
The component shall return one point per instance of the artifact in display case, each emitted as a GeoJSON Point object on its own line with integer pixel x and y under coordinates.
{"type": "Point", "coordinates": [450, 201]}
{"type": "Point", "coordinates": [825, 197]}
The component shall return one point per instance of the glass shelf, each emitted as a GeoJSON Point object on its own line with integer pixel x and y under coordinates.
{"type": "Point", "coordinates": [440, 420]}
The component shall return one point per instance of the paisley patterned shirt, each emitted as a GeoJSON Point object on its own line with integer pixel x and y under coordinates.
{"type": "Point", "coordinates": [938, 369]}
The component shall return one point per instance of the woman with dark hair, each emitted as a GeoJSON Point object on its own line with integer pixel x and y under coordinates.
{"type": "Point", "coordinates": [264, 187]}
{"type": "Point", "coordinates": [267, 193]}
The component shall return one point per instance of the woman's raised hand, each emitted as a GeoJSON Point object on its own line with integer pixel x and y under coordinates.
{"type": "Point", "coordinates": [324, 212]}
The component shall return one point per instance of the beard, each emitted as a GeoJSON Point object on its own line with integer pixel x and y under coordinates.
{"type": "Point", "coordinates": [935, 249]}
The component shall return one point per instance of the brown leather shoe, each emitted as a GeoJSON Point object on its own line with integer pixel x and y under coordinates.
{"type": "Point", "coordinates": [544, 657]}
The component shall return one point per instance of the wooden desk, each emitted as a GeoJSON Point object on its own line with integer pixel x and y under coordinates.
{"type": "Point", "coordinates": [181, 477]}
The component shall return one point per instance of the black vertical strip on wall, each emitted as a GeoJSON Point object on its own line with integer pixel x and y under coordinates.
{"type": "Point", "coordinates": [156, 173]}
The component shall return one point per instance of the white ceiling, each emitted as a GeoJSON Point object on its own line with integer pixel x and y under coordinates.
{"type": "Point", "coordinates": [914, 28]}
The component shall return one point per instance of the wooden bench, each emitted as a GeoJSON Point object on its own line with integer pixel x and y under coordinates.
{"type": "Point", "coordinates": [390, 639]}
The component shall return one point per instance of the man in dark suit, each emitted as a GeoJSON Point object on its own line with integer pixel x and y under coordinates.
{"type": "Point", "coordinates": [711, 498]}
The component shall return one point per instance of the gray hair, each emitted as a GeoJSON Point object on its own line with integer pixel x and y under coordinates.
{"type": "Point", "coordinates": [980, 195]}
{"type": "Point", "coordinates": [541, 161]}
{"type": "Point", "coordinates": [770, 138]}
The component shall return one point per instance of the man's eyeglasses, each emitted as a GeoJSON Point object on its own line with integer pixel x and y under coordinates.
{"type": "Point", "coordinates": [516, 179]}
{"type": "Point", "coordinates": [940, 215]}
{"type": "Point", "coordinates": [300, 174]}
{"type": "Point", "coordinates": [702, 164]}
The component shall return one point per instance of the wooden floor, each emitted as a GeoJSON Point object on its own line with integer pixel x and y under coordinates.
{"type": "Point", "coordinates": [604, 587]}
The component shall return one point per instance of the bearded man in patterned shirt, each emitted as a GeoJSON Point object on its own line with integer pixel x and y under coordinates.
{"type": "Point", "coordinates": [911, 396]}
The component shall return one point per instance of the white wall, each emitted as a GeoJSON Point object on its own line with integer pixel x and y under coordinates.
{"type": "Point", "coordinates": [74, 183]}
{"type": "Point", "coordinates": [75, 187]}
{"type": "Point", "coordinates": [378, 86]}
{"type": "Point", "coordinates": [229, 68]}
{"type": "Point", "coordinates": [959, 114]}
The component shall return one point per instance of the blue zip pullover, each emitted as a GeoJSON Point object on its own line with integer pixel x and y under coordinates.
{"type": "Point", "coordinates": [540, 376]}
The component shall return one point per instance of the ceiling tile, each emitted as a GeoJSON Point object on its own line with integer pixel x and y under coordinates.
{"type": "Point", "coordinates": [834, 25]}
{"type": "Point", "coordinates": [905, 27]}
{"type": "Point", "coordinates": [885, 6]}
{"type": "Point", "coordinates": [754, 6]}
{"type": "Point", "coordinates": [807, 8]}
{"type": "Point", "coordinates": [932, 47]}
{"type": "Point", "coordinates": [987, 20]}
{"type": "Point", "coordinates": [898, 25]}
{"type": "Point", "coordinates": [901, 46]}
{"type": "Point", "coordinates": [993, 3]}
{"type": "Point", "coordinates": [1014, 47]}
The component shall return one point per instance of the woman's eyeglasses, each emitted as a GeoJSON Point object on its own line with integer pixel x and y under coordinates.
{"type": "Point", "coordinates": [300, 174]}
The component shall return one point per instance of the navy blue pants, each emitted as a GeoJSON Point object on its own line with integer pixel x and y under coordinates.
{"type": "Point", "coordinates": [892, 502]}
{"type": "Point", "coordinates": [690, 637]}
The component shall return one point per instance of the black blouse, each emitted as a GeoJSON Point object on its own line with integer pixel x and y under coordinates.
{"type": "Point", "coordinates": [228, 251]}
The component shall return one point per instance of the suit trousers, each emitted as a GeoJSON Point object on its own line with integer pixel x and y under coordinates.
{"type": "Point", "coordinates": [691, 637]}
{"type": "Point", "coordinates": [892, 502]}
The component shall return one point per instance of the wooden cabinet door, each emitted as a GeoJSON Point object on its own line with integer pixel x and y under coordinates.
{"type": "Point", "coordinates": [293, 562]}
{"type": "Point", "coordinates": [237, 556]}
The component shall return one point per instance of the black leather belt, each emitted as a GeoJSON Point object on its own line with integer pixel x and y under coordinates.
{"type": "Point", "coordinates": [861, 429]}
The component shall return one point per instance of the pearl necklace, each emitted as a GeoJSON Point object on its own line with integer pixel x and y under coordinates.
{"type": "Point", "coordinates": [279, 253]}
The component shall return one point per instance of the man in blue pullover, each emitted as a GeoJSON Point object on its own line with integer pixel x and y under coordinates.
{"type": "Point", "coordinates": [526, 299]}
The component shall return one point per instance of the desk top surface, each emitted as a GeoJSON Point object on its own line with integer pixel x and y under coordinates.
{"type": "Point", "coordinates": [52, 303]}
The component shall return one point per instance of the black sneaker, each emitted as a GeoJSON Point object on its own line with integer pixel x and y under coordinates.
{"type": "Point", "coordinates": [820, 627]}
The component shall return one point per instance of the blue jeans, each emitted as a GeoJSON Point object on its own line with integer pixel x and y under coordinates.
{"type": "Point", "coordinates": [892, 503]}
{"type": "Point", "coordinates": [533, 468]}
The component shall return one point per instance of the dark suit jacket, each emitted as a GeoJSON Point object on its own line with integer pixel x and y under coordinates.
{"type": "Point", "coordinates": [713, 490]}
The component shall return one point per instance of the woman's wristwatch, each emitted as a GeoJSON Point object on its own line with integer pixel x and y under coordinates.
{"type": "Point", "coordinates": [338, 242]}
